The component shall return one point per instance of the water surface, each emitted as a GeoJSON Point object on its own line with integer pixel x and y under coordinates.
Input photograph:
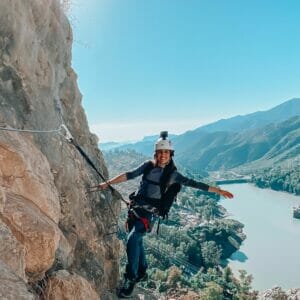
{"type": "Point", "coordinates": [271, 252]}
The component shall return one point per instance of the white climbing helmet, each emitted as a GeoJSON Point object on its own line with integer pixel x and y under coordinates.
{"type": "Point", "coordinates": [163, 143]}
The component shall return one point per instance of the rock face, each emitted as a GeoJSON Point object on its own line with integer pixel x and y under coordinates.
{"type": "Point", "coordinates": [48, 219]}
{"type": "Point", "coordinates": [12, 287]}
{"type": "Point", "coordinates": [63, 285]}
{"type": "Point", "coordinates": [276, 293]}
{"type": "Point", "coordinates": [12, 251]}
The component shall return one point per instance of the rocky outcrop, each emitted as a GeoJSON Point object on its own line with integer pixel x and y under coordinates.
{"type": "Point", "coordinates": [277, 293]}
{"type": "Point", "coordinates": [29, 203]}
{"type": "Point", "coordinates": [48, 219]}
{"type": "Point", "coordinates": [12, 252]}
{"type": "Point", "coordinates": [63, 285]}
{"type": "Point", "coordinates": [12, 287]}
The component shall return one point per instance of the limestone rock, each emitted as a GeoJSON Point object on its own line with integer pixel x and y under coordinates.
{"type": "Point", "coordinates": [12, 287]}
{"type": "Point", "coordinates": [277, 293]}
{"type": "Point", "coordinates": [38, 233]}
{"type": "Point", "coordinates": [293, 294]}
{"type": "Point", "coordinates": [25, 171]}
{"type": "Point", "coordinates": [44, 180]}
{"type": "Point", "coordinates": [64, 286]}
{"type": "Point", "coordinates": [64, 253]}
{"type": "Point", "coordinates": [12, 252]}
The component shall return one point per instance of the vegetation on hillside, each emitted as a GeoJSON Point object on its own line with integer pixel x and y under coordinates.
{"type": "Point", "coordinates": [279, 178]}
{"type": "Point", "coordinates": [254, 147]}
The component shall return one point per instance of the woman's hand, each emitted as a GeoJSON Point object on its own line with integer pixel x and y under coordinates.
{"type": "Point", "coordinates": [103, 185]}
{"type": "Point", "coordinates": [225, 194]}
{"type": "Point", "coordinates": [221, 192]}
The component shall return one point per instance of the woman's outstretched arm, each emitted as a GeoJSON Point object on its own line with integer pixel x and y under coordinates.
{"type": "Point", "coordinates": [221, 192]}
{"type": "Point", "coordinates": [118, 179]}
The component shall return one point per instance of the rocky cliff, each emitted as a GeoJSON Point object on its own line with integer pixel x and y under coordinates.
{"type": "Point", "coordinates": [53, 232]}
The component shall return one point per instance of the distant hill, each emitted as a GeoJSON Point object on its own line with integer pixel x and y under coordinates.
{"type": "Point", "coordinates": [145, 146]}
{"type": "Point", "coordinates": [261, 137]}
{"type": "Point", "coordinates": [226, 150]}
{"type": "Point", "coordinates": [254, 120]}
{"type": "Point", "coordinates": [113, 145]}
{"type": "Point", "coordinates": [109, 145]}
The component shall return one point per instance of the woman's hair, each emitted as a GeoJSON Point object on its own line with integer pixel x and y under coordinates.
{"type": "Point", "coordinates": [168, 169]}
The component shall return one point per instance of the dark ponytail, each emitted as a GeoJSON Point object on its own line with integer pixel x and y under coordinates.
{"type": "Point", "coordinates": [168, 170]}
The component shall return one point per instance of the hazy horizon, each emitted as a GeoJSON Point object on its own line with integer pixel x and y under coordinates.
{"type": "Point", "coordinates": [147, 129]}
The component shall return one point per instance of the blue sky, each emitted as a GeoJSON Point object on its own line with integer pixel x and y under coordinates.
{"type": "Point", "coordinates": [149, 65]}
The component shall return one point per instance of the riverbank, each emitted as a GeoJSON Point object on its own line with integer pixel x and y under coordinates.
{"type": "Point", "coordinates": [271, 251]}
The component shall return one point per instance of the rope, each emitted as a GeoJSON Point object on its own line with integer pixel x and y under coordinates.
{"type": "Point", "coordinates": [57, 130]}
{"type": "Point", "coordinates": [89, 161]}
{"type": "Point", "coordinates": [31, 130]}
{"type": "Point", "coordinates": [177, 261]}
{"type": "Point", "coordinates": [68, 136]}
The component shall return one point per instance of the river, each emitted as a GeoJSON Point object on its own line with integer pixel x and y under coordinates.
{"type": "Point", "coordinates": [271, 251]}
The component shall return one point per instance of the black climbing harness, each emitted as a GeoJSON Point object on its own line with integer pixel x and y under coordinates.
{"type": "Point", "coordinates": [144, 206]}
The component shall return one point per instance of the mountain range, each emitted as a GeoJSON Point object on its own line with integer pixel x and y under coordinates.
{"type": "Point", "coordinates": [255, 139]}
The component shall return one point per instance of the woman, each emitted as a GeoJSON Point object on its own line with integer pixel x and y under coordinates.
{"type": "Point", "coordinates": [159, 186]}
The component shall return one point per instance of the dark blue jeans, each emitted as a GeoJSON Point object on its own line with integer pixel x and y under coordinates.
{"type": "Point", "coordinates": [137, 263]}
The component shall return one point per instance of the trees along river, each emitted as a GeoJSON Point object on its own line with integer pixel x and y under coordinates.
{"type": "Point", "coordinates": [271, 251]}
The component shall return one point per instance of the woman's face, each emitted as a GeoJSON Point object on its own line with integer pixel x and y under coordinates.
{"type": "Point", "coordinates": [163, 157]}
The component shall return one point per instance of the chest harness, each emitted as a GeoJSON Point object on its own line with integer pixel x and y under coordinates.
{"type": "Point", "coordinates": [143, 208]}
